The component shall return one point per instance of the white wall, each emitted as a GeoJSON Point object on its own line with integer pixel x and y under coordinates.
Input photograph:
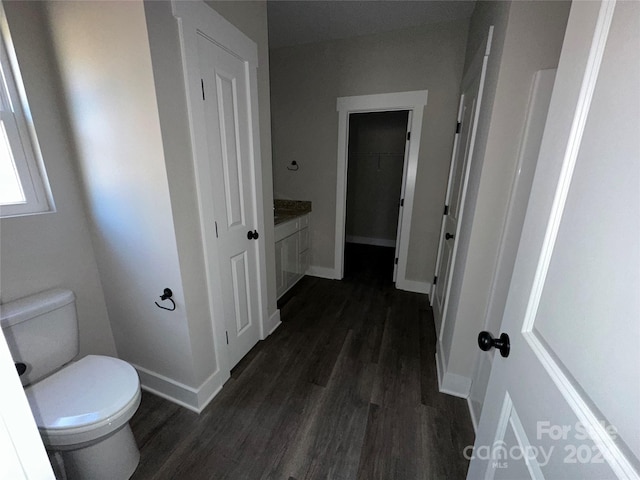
{"type": "Point", "coordinates": [306, 80]}
{"type": "Point", "coordinates": [528, 37]}
{"type": "Point", "coordinates": [374, 178]}
{"type": "Point", "coordinates": [39, 252]}
{"type": "Point", "coordinates": [102, 50]}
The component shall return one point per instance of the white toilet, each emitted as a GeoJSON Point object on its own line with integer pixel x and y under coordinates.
{"type": "Point", "coordinates": [83, 407]}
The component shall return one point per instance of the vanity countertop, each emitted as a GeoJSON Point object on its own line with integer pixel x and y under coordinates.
{"type": "Point", "coordinates": [285, 210]}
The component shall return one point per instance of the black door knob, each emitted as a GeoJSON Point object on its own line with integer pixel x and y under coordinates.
{"type": "Point", "coordinates": [255, 235]}
{"type": "Point", "coordinates": [486, 342]}
{"type": "Point", "coordinates": [252, 235]}
{"type": "Point", "coordinates": [448, 236]}
{"type": "Point", "coordinates": [21, 368]}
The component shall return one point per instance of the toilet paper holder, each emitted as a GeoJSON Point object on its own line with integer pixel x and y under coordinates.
{"type": "Point", "coordinates": [166, 295]}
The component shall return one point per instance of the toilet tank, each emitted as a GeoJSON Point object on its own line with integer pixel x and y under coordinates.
{"type": "Point", "coordinates": [41, 331]}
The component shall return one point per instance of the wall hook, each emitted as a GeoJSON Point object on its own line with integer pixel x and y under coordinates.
{"type": "Point", "coordinates": [167, 296]}
{"type": "Point", "coordinates": [295, 166]}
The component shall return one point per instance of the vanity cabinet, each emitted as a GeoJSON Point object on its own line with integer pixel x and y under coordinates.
{"type": "Point", "coordinates": [292, 252]}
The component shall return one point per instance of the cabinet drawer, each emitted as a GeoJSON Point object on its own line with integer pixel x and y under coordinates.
{"type": "Point", "coordinates": [285, 229]}
{"type": "Point", "coordinates": [303, 239]}
{"type": "Point", "coordinates": [304, 221]}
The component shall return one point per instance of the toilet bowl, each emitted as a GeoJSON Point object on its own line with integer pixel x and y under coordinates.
{"type": "Point", "coordinates": [82, 408]}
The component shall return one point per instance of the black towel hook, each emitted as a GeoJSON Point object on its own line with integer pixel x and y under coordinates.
{"type": "Point", "coordinates": [167, 296]}
{"type": "Point", "coordinates": [295, 166]}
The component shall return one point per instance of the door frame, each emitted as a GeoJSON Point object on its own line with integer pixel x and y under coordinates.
{"type": "Point", "coordinates": [197, 18]}
{"type": "Point", "coordinates": [414, 101]}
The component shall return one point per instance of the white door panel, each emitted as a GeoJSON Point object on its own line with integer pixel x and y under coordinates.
{"type": "Point", "coordinates": [573, 305]}
{"type": "Point", "coordinates": [225, 95]}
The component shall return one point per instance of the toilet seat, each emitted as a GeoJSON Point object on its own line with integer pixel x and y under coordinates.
{"type": "Point", "coordinates": [84, 401]}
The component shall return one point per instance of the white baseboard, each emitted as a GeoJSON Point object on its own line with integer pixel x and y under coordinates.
{"type": "Point", "coordinates": [274, 322]}
{"type": "Point", "coordinates": [271, 325]}
{"type": "Point", "coordinates": [378, 242]}
{"type": "Point", "coordinates": [194, 399]}
{"type": "Point", "coordinates": [321, 272]}
{"type": "Point", "coordinates": [413, 286]}
{"type": "Point", "coordinates": [450, 383]}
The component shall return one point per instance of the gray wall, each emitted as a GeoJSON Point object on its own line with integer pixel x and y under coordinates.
{"type": "Point", "coordinates": [306, 80]}
{"type": "Point", "coordinates": [103, 55]}
{"type": "Point", "coordinates": [39, 252]}
{"type": "Point", "coordinates": [528, 38]}
{"type": "Point", "coordinates": [374, 179]}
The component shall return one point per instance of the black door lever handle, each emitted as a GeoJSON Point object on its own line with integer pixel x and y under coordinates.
{"type": "Point", "coordinates": [449, 236]}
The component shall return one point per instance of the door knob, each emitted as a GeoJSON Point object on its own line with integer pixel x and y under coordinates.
{"type": "Point", "coordinates": [486, 342]}
{"type": "Point", "coordinates": [252, 235]}
{"type": "Point", "coordinates": [448, 236]}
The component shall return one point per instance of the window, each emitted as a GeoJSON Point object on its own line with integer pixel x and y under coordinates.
{"type": "Point", "coordinates": [23, 185]}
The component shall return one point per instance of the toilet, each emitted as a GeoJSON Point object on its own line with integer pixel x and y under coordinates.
{"type": "Point", "coordinates": [82, 407]}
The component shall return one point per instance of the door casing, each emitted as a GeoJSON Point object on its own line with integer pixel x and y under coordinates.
{"type": "Point", "coordinates": [415, 102]}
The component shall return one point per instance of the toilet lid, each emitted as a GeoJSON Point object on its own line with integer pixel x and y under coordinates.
{"type": "Point", "coordinates": [85, 392]}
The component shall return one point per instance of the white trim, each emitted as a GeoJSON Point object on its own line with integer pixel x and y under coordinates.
{"type": "Point", "coordinates": [322, 272]}
{"type": "Point", "coordinates": [450, 383]}
{"type": "Point", "coordinates": [209, 22]}
{"type": "Point", "coordinates": [194, 399]}
{"type": "Point", "coordinates": [473, 415]}
{"type": "Point", "coordinates": [21, 135]}
{"type": "Point", "coordinates": [378, 242]}
{"type": "Point", "coordinates": [414, 101]}
{"type": "Point", "coordinates": [414, 286]}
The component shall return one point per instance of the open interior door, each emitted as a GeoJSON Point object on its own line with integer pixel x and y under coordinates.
{"type": "Point", "coordinates": [564, 391]}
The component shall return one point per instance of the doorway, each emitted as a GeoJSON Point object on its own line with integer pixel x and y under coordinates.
{"type": "Point", "coordinates": [413, 104]}
{"type": "Point", "coordinates": [376, 159]}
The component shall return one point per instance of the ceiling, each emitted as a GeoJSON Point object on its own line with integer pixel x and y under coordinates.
{"type": "Point", "coordinates": [309, 21]}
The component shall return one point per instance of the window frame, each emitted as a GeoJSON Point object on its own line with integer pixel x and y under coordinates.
{"type": "Point", "coordinates": [16, 117]}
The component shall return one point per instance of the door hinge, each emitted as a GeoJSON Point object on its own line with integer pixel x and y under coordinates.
{"type": "Point", "coordinates": [202, 85]}
{"type": "Point", "coordinates": [446, 210]}
{"type": "Point", "coordinates": [402, 202]}
{"type": "Point", "coordinates": [227, 334]}
{"type": "Point", "coordinates": [435, 280]}
{"type": "Point", "coordinates": [458, 127]}
{"type": "Point", "coordinates": [396, 261]}
{"type": "Point", "coordinates": [408, 135]}
{"type": "Point", "coordinates": [216, 223]}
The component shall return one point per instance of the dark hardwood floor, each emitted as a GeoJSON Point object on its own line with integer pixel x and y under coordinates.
{"type": "Point", "coordinates": [346, 388]}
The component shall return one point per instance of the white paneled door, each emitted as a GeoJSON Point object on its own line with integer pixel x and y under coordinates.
{"type": "Point", "coordinates": [472, 88]}
{"type": "Point", "coordinates": [565, 402]}
{"type": "Point", "coordinates": [225, 94]}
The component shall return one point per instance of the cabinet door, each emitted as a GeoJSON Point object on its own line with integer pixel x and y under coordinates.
{"type": "Point", "coordinates": [280, 284]}
{"type": "Point", "coordinates": [303, 263]}
{"type": "Point", "coordinates": [303, 235]}
{"type": "Point", "coordinates": [290, 260]}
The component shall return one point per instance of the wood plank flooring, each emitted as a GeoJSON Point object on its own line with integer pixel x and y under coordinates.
{"type": "Point", "coordinates": [346, 388]}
